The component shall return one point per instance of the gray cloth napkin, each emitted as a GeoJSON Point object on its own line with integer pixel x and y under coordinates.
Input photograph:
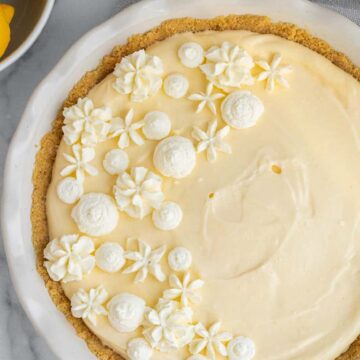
{"type": "Point", "coordinates": [348, 8]}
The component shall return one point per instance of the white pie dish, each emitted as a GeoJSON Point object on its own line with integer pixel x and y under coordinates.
{"type": "Point", "coordinates": [41, 110]}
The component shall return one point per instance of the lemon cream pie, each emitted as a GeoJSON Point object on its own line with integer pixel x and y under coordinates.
{"type": "Point", "coordinates": [203, 201]}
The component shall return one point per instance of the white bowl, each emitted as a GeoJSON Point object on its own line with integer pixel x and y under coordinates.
{"type": "Point", "coordinates": [20, 41]}
{"type": "Point", "coordinates": [42, 108]}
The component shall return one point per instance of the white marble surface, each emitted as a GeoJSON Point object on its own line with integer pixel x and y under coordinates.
{"type": "Point", "coordinates": [69, 20]}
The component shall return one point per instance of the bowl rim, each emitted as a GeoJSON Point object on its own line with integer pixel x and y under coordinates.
{"type": "Point", "coordinates": [31, 38]}
{"type": "Point", "coordinates": [83, 56]}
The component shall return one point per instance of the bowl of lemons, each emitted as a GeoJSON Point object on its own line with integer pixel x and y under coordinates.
{"type": "Point", "coordinates": [21, 22]}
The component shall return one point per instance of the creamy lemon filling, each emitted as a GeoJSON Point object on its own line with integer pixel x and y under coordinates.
{"type": "Point", "coordinates": [271, 225]}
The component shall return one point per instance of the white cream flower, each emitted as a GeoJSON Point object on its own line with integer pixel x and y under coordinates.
{"type": "Point", "coordinates": [212, 340]}
{"type": "Point", "coordinates": [79, 162]}
{"type": "Point", "coordinates": [145, 261]}
{"type": "Point", "coordinates": [184, 290]}
{"type": "Point", "coordinates": [139, 192]}
{"type": "Point", "coordinates": [228, 66]}
{"type": "Point", "coordinates": [212, 140]}
{"type": "Point", "coordinates": [126, 130]}
{"type": "Point", "coordinates": [206, 98]}
{"type": "Point", "coordinates": [168, 327]}
{"type": "Point", "coordinates": [273, 73]}
{"type": "Point", "coordinates": [69, 257]}
{"type": "Point", "coordinates": [85, 123]}
{"type": "Point", "coordinates": [138, 74]}
{"type": "Point", "coordinates": [87, 305]}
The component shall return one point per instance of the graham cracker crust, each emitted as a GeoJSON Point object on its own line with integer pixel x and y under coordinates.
{"type": "Point", "coordinates": [49, 144]}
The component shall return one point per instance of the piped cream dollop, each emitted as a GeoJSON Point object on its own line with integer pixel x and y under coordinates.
{"type": "Point", "coordinates": [241, 109]}
{"type": "Point", "coordinates": [139, 349]}
{"type": "Point", "coordinates": [176, 85]}
{"type": "Point", "coordinates": [168, 216]}
{"type": "Point", "coordinates": [241, 348]}
{"type": "Point", "coordinates": [125, 312]}
{"type": "Point", "coordinates": [116, 161]}
{"type": "Point", "coordinates": [95, 214]}
{"type": "Point", "coordinates": [175, 157]}
{"type": "Point", "coordinates": [110, 257]}
{"type": "Point", "coordinates": [180, 259]}
{"type": "Point", "coordinates": [69, 190]}
{"type": "Point", "coordinates": [191, 54]}
{"type": "Point", "coordinates": [157, 125]}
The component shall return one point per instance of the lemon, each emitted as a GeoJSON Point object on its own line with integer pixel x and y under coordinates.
{"type": "Point", "coordinates": [7, 11]}
{"type": "Point", "coordinates": [6, 15]}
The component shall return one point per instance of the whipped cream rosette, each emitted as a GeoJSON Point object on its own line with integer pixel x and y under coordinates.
{"type": "Point", "coordinates": [168, 216]}
{"type": "Point", "coordinates": [88, 305]}
{"type": "Point", "coordinates": [157, 125]}
{"type": "Point", "coordinates": [85, 123]}
{"type": "Point", "coordinates": [241, 348]}
{"type": "Point", "coordinates": [138, 192]}
{"type": "Point", "coordinates": [179, 259]}
{"type": "Point", "coordinates": [241, 109]}
{"type": "Point", "coordinates": [228, 66]}
{"type": "Point", "coordinates": [69, 190]}
{"type": "Point", "coordinates": [69, 257]}
{"type": "Point", "coordinates": [175, 157]}
{"type": "Point", "coordinates": [139, 75]}
{"type": "Point", "coordinates": [95, 214]}
{"type": "Point", "coordinates": [139, 349]}
{"type": "Point", "coordinates": [110, 257]}
{"type": "Point", "coordinates": [125, 312]}
{"type": "Point", "coordinates": [176, 85]}
{"type": "Point", "coordinates": [191, 54]}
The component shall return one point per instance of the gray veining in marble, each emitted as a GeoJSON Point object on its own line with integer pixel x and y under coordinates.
{"type": "Point", "coordinates": [69, 20]}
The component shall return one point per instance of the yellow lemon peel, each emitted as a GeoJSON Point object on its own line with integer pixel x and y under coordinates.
{"type": "Point", "coordinates": [6, 15]}
{"type": "Point", "coordinates": [8, 12]}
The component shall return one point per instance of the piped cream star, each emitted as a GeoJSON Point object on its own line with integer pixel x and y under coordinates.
{"type": "Point", "coordinates": [85, 123]}
{"type": "Point", "coordinates": [168, 327]}
{"type": "Point", "coordinates": [87, 305]}
{"type": "Point", "coordinates": [273, 73]}
{"type": "Point", "coordinates": [212, 340]}
{"type": "Point", "coordinates": [211, 140]}
{"type": "Point", "coordinates": [206, 99]}
{"type": "Point", "coordinates": [126, 130]}
{"type": "Point", "coordinates": [184, 290]}
{"type": "Point", "coordinates": [138, 192]}
{"type": "Point", "coordinates": [79, 163]}
{"type": "Point", "coordinates": [146, 261]}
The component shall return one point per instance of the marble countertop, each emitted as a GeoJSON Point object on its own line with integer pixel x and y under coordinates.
{"type": "Point", "coordinates": [68, 21]}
